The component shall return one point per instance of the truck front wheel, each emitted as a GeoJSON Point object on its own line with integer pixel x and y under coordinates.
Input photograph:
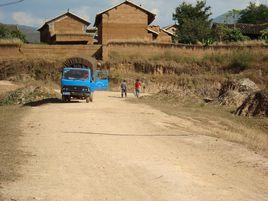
{"type": "Point", "coordinates": [64, 99]}
{"type": "Point", "coordinates": [89, 98]}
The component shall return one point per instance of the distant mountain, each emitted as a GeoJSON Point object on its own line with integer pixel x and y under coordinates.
{"type": "Point", "coordinates": [230, 17]}
{"type": "Point", "coordinates": [31, 33]}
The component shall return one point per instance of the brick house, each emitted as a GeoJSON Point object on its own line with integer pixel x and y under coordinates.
{"type": "Point", "coordinates": [125, 22]}
{"type": "Point", "coordinates": [65, 29]}
{"type": "Point", "coordinates": [159, 35]}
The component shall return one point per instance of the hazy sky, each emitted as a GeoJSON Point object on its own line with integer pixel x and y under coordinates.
{"type": "Point", "coordinates": [36, 12]}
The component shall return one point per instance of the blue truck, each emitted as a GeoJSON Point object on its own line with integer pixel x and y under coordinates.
{"type": "Point", "coordinates": [81, 82]}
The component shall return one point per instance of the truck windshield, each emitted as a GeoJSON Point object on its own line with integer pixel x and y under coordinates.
{"type": "Point", "coordinates": [75, 74]}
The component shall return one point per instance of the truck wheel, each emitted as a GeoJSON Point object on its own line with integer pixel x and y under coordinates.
{"type": "Point", "coordinates": [91, 97]}
{"type": "Point", "coordinates": [64, 99]}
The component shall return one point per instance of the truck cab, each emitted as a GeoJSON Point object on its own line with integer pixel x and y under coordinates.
{"type": "Point", "coordinates": [81, 83]}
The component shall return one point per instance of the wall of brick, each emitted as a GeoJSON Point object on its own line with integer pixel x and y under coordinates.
{"type": "Point", "coordinates": [125, 22]}
{"type": "Point", "coordinates": [68, 25]}
{"type": "Point", "coordinates": [49, 51]}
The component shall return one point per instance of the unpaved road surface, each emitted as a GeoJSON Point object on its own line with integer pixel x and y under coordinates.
{"type": "Point", "coordinates": [118, 151]}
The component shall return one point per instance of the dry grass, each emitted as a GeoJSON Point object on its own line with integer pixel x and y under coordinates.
{"type": "Point", "coordinates": [13, 41]}
{"type": "Point", "coordinates": [243, 43]}
{"type": "Point", "coordinates": [10, 154]}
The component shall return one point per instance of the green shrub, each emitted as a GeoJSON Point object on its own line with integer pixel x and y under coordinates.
{"type": "Point", "coordinates": [223, 33]}
{"type": "Point", "coordinates": [240, 61]}
{"type": "Point", "coordinates": [264, 35]}
{"type": "Point", "coordinates": [234, 35]}
{"type": "Point", "coordinates": [207, 42]}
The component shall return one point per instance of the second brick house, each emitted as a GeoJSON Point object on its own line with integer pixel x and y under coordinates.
{"type": "Point", "coordinates": [124, 22]}
{"type": "Point", "coordinates": [66, 29]}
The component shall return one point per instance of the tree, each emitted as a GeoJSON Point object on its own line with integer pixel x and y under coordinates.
{"type": "Point", "coordinates": [6, 33]}
{"type": "Point", "coordinates": [254, 14]}
{"type": "Point", "coordinates": [193, 23]}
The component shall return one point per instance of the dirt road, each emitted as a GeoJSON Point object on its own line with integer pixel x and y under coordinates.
{"type": "Point", "coordinates": [118, 151]}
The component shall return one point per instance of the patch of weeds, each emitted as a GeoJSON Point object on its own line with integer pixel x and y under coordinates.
{"type": "Point", "coordinates": [240, 61]}
{"type": "Point", "coordinates": [28, 94]}
{"type": "Point", "coordinates": [214, 58]}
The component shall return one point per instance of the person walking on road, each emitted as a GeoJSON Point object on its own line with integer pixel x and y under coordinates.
{"type": "Point", "coordinates": [124, 89]}
{"type": "Point", "coordinates": [137, 88]}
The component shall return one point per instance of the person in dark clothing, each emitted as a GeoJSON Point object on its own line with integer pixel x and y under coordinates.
{"type": "Point", "coordinates": [124, 88]}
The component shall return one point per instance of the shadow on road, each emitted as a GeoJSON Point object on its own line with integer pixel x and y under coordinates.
{"type": "Point", "coordinates": [46, 101]}
{"type": "Point", "coordinates": [129, 135]}
{"type": "Point", "coordinates": [119, 97]}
